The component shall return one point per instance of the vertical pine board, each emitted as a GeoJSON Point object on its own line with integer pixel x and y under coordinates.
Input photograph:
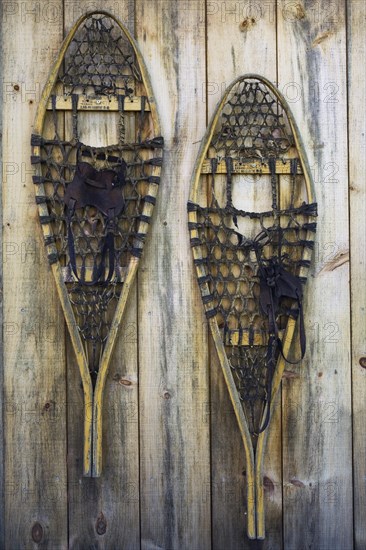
{"type": "Point", "coordinates": [2, 442]}
{"type": "Point", "coordinates": [317, 451]}
{"type": "Point", "coordinates": [104, 512]}
{"type": "Point", "coordinates": [174, 432]}
{"type": "Point", "coordinates": [34, 358]}
{"type": "Point", "coordinates": [241, 39]}
{"type": "Point", "coordinates": [357, 162]}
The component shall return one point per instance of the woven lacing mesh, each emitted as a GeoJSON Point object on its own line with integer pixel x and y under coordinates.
{"type": "Point", "coordinates": [102, 58]}
{"type": "Point", "coordinates": [252, 125]}
{"type": "Point", "coordinates": [99, 61]}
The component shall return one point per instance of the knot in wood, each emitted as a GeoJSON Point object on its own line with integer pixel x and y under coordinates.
{"type": "Point", "coordinates": [101, 524]}
{"type": "Point", "coordinates": [37, 532]}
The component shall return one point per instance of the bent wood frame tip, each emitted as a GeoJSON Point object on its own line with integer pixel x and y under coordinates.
{"type": "Point", "coordinates": [93, 401]}
{"type": "Point", "coordinates": [254, 461]}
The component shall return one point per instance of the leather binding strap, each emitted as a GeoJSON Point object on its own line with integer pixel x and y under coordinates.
{"type": "Point", "coordinates": [101, 189]}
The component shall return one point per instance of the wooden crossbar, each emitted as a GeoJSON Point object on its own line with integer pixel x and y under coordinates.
{"type": "Point", "coordinates": [283, 166]}
{"type": "Point", "coordinates": [244, 338]}
{"type": "Point", "coordinates": [119, 274]}
{"type": "Point", "coordinates": [89, 103]}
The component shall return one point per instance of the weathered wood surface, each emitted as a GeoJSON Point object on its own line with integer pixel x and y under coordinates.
{"type": "Point", "coordinates": [173, 470]}
{"type": "Point", "coordinates": [174, 429]}
{"type": "Point", "coordinates": [249, 46]}
{"type": "Point", "coordinates": [317, 433]}
{"type": "Point", "coordinates": [34, 353]}
{"type": "Point", "coordinates": [357, 169]}
{"type": "Point", "coordinates": [2, 478]}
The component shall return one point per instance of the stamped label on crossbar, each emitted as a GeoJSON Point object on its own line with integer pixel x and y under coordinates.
{"type": "Point", "coordinates": [283, 166]}
{"type": "Point", "coordinates": [89, 103]}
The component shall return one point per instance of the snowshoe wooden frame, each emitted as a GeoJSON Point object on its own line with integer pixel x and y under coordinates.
{"type": "Point", "coordinates": [254, 457]}
{"type": "Point", "coordinates": [93, 398]}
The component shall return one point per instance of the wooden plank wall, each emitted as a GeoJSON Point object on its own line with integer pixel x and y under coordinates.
{"type": "Point", "coordinates": [2, 479]}
{"type": "Point", "coordinates": [317, 501]}
{"type": "Point", "coordinates": [34, 352]}
{"type": "Point", "coordinates": [357, 204]}
{"type": "Point", "coordinates": [174, 473]}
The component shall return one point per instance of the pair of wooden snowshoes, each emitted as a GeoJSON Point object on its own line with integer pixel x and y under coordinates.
{"type": "Point", "coordinates": [251, 220]}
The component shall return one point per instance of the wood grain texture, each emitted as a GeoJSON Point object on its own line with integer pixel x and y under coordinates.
{"type": "Point", "coordinates": [104, 512]}
{"type": "Point", "coordinates": [317, 400]}
{"type": "Point", "coordinates": [174, 432]}
{"type": "Point", "coordinates": [240, 41]}
{"type": "Point", "coordinates": [357, 169]}
{"type": "Point", "coordinates": [34, 356]}
{"type": "Point", "coordinates": [2, 439]}
{"type": "Point", "coordinates": [2, 431]}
